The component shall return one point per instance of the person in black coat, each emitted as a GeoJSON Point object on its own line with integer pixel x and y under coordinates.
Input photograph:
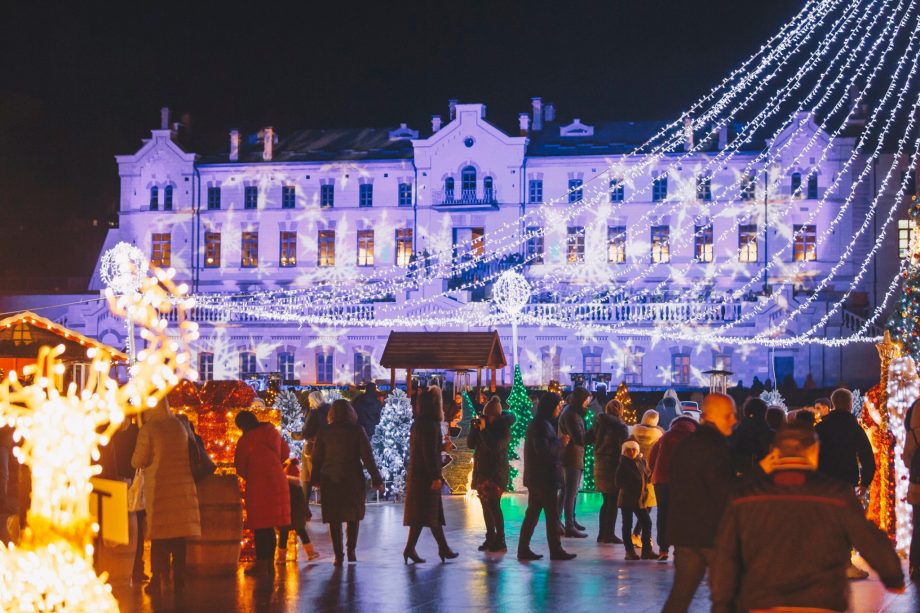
{"type": "Point", "coordinates": [543, 477]}
{"type": "Point", "coordinates": [313, 423]}
{"type": "Point", "coordinates": [750, 442]}
{"type": "Point", "coordinates": [368, 407]}
{"type": "Point", "coordinates": [846, 453]}
{"type": "Point", "coordinates": [423, 506]}
{"type": "Point", "coordinates": [607, 435]}
{"type": "Point", "coordinates": [632, 481]}
{"type": "Point", "coordinates": [701, 479]}
{"type": "Point", "coordinates": [572, 424]}
{"type": "Point", "coordinates": [489, 438]}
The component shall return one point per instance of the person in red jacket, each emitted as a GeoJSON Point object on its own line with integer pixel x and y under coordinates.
{"type": "Point", "coordinates": [259, 460]}
{"type": "Point", "coordinates": [659, 460]}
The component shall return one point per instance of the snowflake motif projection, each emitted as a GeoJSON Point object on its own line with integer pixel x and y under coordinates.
{"type": "Point", "coordinates": [123, 268]}
{"type": "Point", "coordinates": [61, 431]}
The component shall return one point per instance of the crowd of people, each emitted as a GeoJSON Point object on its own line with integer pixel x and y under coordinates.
{"type": "Point", "coordinates": [769, 508]}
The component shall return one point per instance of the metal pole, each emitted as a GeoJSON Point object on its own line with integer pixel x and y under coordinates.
{"type": "Point", "coordinates": [766, 179]}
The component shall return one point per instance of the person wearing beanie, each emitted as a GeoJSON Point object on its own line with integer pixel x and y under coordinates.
{"type": "Point", "coordinates": [760, 562]}
{"type": "Point", "coordinates": [647, 433]}
{"type": "Point", "coordinates": [572, 424]}
{"type": "Point", "coordinates": [750, 441]}
{"type": "Point", "coordinates": [632, 480]}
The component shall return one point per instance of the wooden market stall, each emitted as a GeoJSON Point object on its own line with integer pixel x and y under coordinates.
{"type": "Point", "coordinates": [449, 351]}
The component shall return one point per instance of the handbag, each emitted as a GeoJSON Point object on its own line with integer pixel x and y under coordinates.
{"type": "Point", "coordinates": [136, 500]}
{"type": "Point", "coordinates": [201, 464]}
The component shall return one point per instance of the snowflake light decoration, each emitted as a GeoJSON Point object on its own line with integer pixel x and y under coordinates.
{"type": "Point", "coordinates": [511, 292]}
{"type": "Point", "coordinates": [123, 268]}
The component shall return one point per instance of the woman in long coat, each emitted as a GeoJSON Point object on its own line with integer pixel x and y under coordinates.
{"type": "Point", "coordinates": [489, 438]}
{"type": "Point", "coordinates": [608, 435]}
{"type": "Point", "coordinates": [341, 455]}
{"type": "Point", "coordinates": [259, 460]}
{"type": "Point", "coordinates": [423, 506]}
{"type": "Point", "coordinates": [171, 495]}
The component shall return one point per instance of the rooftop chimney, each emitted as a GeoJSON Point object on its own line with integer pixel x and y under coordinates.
{"type": "Point", "coordinates": [549, 113]}
{"type": "Point", "coordinates": [234, 145]}
{"type": "Point", "coordinates": [268, 137]}
{"type": "Point", "coordinates": [524, 123]}
{"type": "Point", "coordinates": [164, 118]}
{"type": "Point", "coordinates": [537, 104]}
{"type": "Point", "coordinates": [435, 123]}
{"type": "Point", "coordinates": [452, 107]}
{"type": "Point", "coordinates": [723, 137]}
{"type": "Point", "coordinates": [688, 133]}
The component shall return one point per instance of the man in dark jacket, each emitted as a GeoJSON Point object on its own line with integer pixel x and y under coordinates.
{"type": "Point", "coordinates": [659, 460]}
{"type": "Point", "coordinates": [760, 560]}
{"type": "Point", "coordinates": [701, 478]}
{"type": "Point", "coordinates": [572, 424]}
{"type": "Point", "coordinates": [846, 453]}
{"type": "Point", "coordinates": [750, 441]}
{"type": "Point", "coordinates": [368, 408]}
{"type": "Point", "coordinates": [543, 477]}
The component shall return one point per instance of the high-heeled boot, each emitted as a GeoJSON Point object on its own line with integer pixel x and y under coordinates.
{"type": "Point", "coordinates": [335, 532]}
{"type": "Point", "coordinates": [444, 551]}
{"type": "Point", "coordinates": [409, 551]}
{"type": "Point", "coordinates": [351, 534]}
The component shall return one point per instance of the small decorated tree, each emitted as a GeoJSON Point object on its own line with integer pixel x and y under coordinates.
{"type": "Point", "coordinates": [391, 441]}
{"type": "Point", "coordinates": [905, 320]}
{"type": "Point", "coordinates": [587, 482]}
{"type": "Point", "coordinates": [520, 405]}
{"type": "Point", "coordinates": [774, 399]}
{"type": "Point", "coordinates": [629, 411]}
{"type": "Point", "coordinates": [291, 420]}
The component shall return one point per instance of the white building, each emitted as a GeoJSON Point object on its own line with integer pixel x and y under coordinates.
{"type": "Point", "coordinates": [320, 207]}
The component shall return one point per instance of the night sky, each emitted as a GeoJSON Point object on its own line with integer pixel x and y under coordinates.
{"type": "Point", "coordinates": [81, 82]}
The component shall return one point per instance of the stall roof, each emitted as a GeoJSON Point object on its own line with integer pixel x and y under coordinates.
{"type": "Point", "coordinates": [443, 350]}
{"type": "Point", "coordinates": [22, 334]}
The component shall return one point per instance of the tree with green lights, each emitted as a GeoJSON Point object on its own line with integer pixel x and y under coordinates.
{"type": "Point", "coordinates": [905, 321]}
{"type": "Point", "coordinates": [587, 482]}
{"type": "Point", "coordinates": [520, 405]}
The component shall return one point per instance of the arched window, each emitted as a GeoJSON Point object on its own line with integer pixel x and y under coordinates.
{"type": "Point", "coordinates": [487, 194]}
{"type": "Point", "coordinates": [154, 198]}
{"type": "Point", "coordinates": [168, 198]}
{"type": "Point", "coordinates": [795, 187]}
{"type": "Point", "coordinates": [448, 189]}
{"type": "Point", "coordinates": [468, 182]}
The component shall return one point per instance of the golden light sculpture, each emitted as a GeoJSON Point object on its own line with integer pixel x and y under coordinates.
{"type": "Point", "coordinates": [61, 430]}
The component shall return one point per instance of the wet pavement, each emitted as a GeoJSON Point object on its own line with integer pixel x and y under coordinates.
{"type": "Point", "coordinates": [599, 579]}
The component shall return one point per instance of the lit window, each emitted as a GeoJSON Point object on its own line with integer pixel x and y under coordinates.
{"type": "Point", "coordinates": [161, 250]}
{"type": "Point", "coordinates": [325, 244]}
{"type": "Point", "coordinates": [905, 236]}
{"type": "Point", "coordinates": [212, 249]}
{"type": "Point", "coordinates": [205, 366]}
{"type": "Point", "coordinates": [795, 186]}
{"type": "Point", "coordinates": [288, 249]}
{"type": "Point", "coordinates": [617, 190]}
{"type": "Point", "coordinates": [250, 197]}
{"type": "Point", "coordinates": [704, 188]}
{"type": "Point", "coordinates": [405, 194]}
{"type": "Point", "coordinates": [660, 188]}
{"type": "Point", "coordinates": [362, 366]}
{"type": "Point", "coordinates": [213, 197]}
{"type": "Point", "coordinates": [403, 246]}
{"type": "Point", "coordinates": [365, 248]}
{"type": "Point", "coordinates": [722, 361]}
{"type": "Point", "coordinates": [702, 243]}
{"type": "Point", "coordinates": [680, 369]}
{"type": "Point", "coordinates": [288, 196]}
{"type": "Point", "coordinates": [534, 245]}
{"type": "Point", "coordinates": [616, 244]}
{"type": "Point", "coordinates": [747, 242]}
{"type": "Point", "coordinates": [749, 188]}
{"type": "Point", "coordinates": [576, 190]}
{"type": "Point", "coordinates": [812, 186]}
{"type": "Point", "coordinates": [575, 245]}
{"type": "Point", "coordinates": [366, 195]}
{"type": "Point", "coordinates": [248, 364]}
{"type": "Point", "coordinates": [286, 366]}
{"type": "Point", "coordinates": [661, 244]}
{"type": "Point", "coordinates": [249, 250]}
{"type": "Point", "coordinates": [168, 198]}
{"type": "Point", "coordinates": [154, 198]}
{"type": "Point", "coordinates": [804, 249]}
{"type": "Point", "coordinates": [324, 366]}
{"type": "Point", "coordinates": [535, 191]}
{"type": "Point", "coordinates": [327, 195]}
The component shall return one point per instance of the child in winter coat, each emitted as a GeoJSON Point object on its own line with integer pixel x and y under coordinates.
{"type": "Point", "coordinates": [298, 523]}
{"type": "Point", "coordinates": [632, 479]}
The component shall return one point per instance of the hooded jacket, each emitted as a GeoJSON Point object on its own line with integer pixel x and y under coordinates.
{"type": "Point", "coordinates": [632, 480]}
{"type": "Point", "coordinates": [659, 458]}
{"type": "Point", "coordinates": [490, 445]}
{"type": "Point", "coordinates": [607, 434]}
{"type": "Point", "coordinates": [648, 432]}
{"type": "Point", "coordinates": [572, 422]}
{"type": "Point", "coordinates": [260, 453]}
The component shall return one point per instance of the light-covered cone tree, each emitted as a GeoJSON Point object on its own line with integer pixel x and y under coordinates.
{"type": "Point", "coordinates": [629, 411]}
{"type": "Point", "coordinates": [291, 420]}
{"type": "Point", "coordinates": [520, 405]}
{"type": "Point", "coordinates": [391, 441]}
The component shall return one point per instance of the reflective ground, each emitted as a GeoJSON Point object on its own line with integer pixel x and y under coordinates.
{"type": "Point", "coordinates": [598, 579]}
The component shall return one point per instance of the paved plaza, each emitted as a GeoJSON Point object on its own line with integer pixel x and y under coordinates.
{"type": "Point", "coordinates": [597, 580]}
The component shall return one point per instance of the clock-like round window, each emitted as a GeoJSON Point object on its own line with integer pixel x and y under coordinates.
{"type": "Point", "coordinates": [469, 141]}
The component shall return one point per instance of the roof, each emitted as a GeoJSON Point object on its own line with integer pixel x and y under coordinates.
{"type": "Point", "coordinates": [443, 350]}
{"type": "Point", "coordinates": [18, 342]}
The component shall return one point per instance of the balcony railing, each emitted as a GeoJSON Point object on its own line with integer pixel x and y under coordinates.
{"type": "Point", "coordinates": [657, 312]}
{"type": "Point", "coordinates": [463, 197]}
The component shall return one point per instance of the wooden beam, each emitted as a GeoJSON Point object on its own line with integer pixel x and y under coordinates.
{"type": "Point", "coordinates": [492, 386]}
{"type": "Point", "coordinates": [392, 379]}
{"type": "Point", "coordinates": [409, 382]}
{"type": "Point", "coordinates": [478, 383]}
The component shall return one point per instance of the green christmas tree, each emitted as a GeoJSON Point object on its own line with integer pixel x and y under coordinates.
{"type": "Point", "coordinates": [291, 420]}
{"type": "Point", "coordinates": [629, 411]}
{"type": "Point", "coordinates": [391, 441]}
{"type": "Point", "coordinates": [587, 482]}
{"type": "Point", "coordinates": [520, 405]}
{"type": "Point", "coordinates": [903, 323]}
